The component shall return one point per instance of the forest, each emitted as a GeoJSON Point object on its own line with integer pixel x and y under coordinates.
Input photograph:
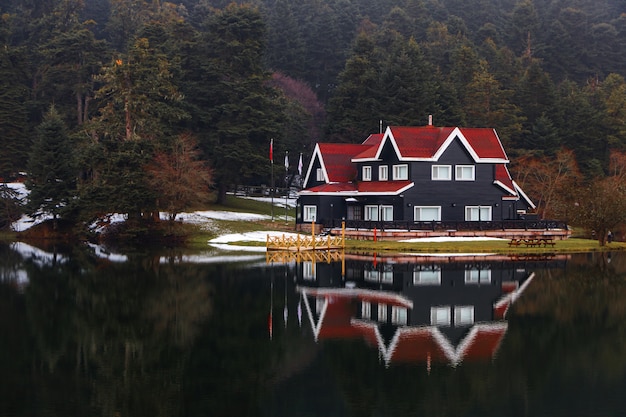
{"type": "Point", "coordinates": [137, 107]}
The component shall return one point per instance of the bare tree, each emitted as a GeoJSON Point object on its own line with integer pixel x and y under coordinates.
{"type": "Point", "coordinates": [180, 178]}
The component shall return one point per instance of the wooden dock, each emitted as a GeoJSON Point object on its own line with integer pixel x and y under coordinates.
{"type": "Point", "coordinates": [311, 242]}
{"type": "Point", "coordinates": [323, 256]}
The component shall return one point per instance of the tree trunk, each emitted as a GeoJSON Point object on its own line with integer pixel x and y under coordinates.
{"type": "Point", "coordinates": [221, 193]}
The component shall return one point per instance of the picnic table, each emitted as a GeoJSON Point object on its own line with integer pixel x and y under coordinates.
{"type": "Point", "coordinates": [533, 241]}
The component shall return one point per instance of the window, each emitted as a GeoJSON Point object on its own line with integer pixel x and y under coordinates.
{"type": "Point", "coordinates": [463, 315]}
{"type": "Point", "coordinates": [319, 174]}
{"type": "Point", "coordinates": [386, 213]}
{"type": "Point", "coordinates": [427, 277]}
{"type": "Point", "coordinates": [319, 304]}
{"type": "Point", "coordinates": [427, 214]}
{"type": "Point", "coordinates": [478, 213]}
{"type": "Point", "coordinates": [371, 213]}
{"type": "Point", "coordinates": [464, 173]}
{"type": "Point", "coordinates": [308, 271]}
{"type": "Point", "coordinates": [367, 173]}
{"type": "Point", "coordinates": [375, 213]}
{"type": "Point", "coordinates": [370, 275]}
{"type": "Point", "coordinates": [386, 275]}
{"type": "Point", "coordinates": [366, 310]}
{"type": "Point", "coordinates": [440, 316]}
{"type": "Point", "coordinates": [355, 213]}
{"type": "Point", "coordinates": [382, 313]}
{"type": "Point", "coordinates": [441, 173]}
{"type": "Point", "coordinates": [401, 172]}
{"type": "Point", "coordinates": [310, 213]}
{"type": "Point", "coordinates": [399, 315]}
{"type": "Point", "coordinates": [383, 173]}
{"type": "Point", "coordinates": [478, 276]}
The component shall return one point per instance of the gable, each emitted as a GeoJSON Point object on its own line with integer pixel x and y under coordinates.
{"type": "Point", "coordinates": [428, 143]}
{"type": "Point", "coordinates": [335, 161]}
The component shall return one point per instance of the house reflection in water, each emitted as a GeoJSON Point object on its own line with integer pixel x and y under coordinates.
{"type": "Point", "coordinates": [416, 309]}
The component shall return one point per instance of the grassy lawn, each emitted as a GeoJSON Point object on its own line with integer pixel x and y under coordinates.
{"type": "Point", "coordinates": [197, 236]}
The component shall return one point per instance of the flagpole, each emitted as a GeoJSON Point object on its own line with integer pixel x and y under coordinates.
{"type": "Point", "coordinates": [272, 169]}
{"type": "Point", "coordinates": [286, 182]}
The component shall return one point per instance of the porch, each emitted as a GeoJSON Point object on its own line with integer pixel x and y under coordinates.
{"type": "Point", "coordinates": [398, 230]}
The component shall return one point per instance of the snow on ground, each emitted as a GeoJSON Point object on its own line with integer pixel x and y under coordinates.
{"type": "Point", "coordinates": [206, 217]}
{"type": "Point", "coordinates": [279, 202]}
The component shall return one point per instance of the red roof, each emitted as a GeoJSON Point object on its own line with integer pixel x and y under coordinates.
{"type": "Point", "coordinates": [343, 187]}
{"type": "Point", "coordinates": [350, 188]}
{"type": "Point", "coordinates": [485, 142]}
{"type": "Point", "coordinates": [383, 186]}
{"type": "Point", "coordinates": [336, 158]}
{"type": "Point", "coordinates": [503, 176]}
{"type": "Point", "coordinates": [424, 142]}
{"type": "Point", "coordinates": [420, 142]}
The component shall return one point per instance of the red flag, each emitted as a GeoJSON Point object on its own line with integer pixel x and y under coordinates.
{"type": "Point", "coordinates": [272, 150]}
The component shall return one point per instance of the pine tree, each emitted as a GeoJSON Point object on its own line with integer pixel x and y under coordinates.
{"type": "Point", "coordinates": [51, 171]}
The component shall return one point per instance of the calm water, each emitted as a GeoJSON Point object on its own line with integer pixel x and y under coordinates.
{"type": "Point", "coordinates": [85, 332]}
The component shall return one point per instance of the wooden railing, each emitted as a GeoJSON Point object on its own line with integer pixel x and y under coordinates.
{"type": "Point", "coordinates": [306, 242]}
{"type": "Point", "coordinates": [449, 225]}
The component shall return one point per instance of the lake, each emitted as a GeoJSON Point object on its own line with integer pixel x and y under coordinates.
{"type": "Point", "coordinates": [87, 332]}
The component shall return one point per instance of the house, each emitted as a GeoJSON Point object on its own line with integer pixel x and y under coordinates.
{"type": "Point", "coordinates": [412, 174]}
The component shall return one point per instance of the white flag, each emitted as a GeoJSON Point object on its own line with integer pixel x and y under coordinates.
{"type": "Point", "coordinates": [300, 166]}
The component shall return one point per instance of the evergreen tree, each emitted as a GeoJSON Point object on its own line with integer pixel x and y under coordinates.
{"type": "Point", "coordinates": [13, 115]}
{"type": "Point", "coordinates": [235, 109]}
{"type": "Point", "coordinates": [51, 169]}
{"type": "Point", "coordinates": [354, 109]}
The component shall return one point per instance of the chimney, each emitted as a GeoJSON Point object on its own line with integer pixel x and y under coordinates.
{"type": "Point", "coordinates": [430, 120]}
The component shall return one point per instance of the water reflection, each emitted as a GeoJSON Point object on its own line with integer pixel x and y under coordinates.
{"type": "Point", "coordinates": [417, 309]}
{"type": "Point", "coordinates": [84, 331]}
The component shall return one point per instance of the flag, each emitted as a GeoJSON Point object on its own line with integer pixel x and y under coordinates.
{"type": "Point", "coordinates": [300, 166]}
{"type": "Point", "coordinates": [286, 161]}
{"type": "Point", "coordinates": [272, 150]}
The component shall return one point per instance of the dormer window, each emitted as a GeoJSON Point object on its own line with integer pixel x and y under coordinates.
{"type": "Point", "coordinates": [367, 173]}
{"type": "Point", "coordinates": [464, 173]}
{"type": "Point", "coordinates": [319, 174]}
{"type": "Point", "coordinates": [383, 173]}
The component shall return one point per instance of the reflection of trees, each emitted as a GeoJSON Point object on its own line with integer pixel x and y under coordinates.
{"type": "Point", "coordinates": [121, 332]}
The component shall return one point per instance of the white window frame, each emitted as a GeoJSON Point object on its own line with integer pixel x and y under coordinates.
{"type": "Point", "coordinates": [319, 303]}
{"type": "Point", "coordinates": [440, 316]}
{"type": "Point", "coordinates": [383, 173]}
{"type": "Point", "coordinates": [366, 310]}
{"type": "Point", "coordinates": [400, 172]}
{"type": "Point", "coordinates": [386, 275]}
{"type": "Point", "coordinates": [308, 271]}
{"type": "Point", "coordinates": [399, 315]}
{"type": "Point", "coordinates": [370, 275]}
{"type": "Point", "coordinates": [463, 315]}
{"type": "Point", "coordinates": [472, 213]}
{"type": "Point", "coordinates": [367, 173]}
{"type": "Point", "coordinates": [385, 213]}
{"type": "Point", "coordinates": [441, 173]}
{"type": "Point", "coordinates": [427, 277]}
{"type": "Point", "coordinates": [477, 276]}
{"type": "Point", "coordinates": [382, 313]}
{"type": "Point", "coordinates": [368, 210]}
{"type": "Point", "coordinates": [460, 172]}
{"type": "Point", "coordinates": [319, 174]}
{"type": "Point", "coordinates": [418, 217]}
{"type": "Point", "coordinates": [309, 213]}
